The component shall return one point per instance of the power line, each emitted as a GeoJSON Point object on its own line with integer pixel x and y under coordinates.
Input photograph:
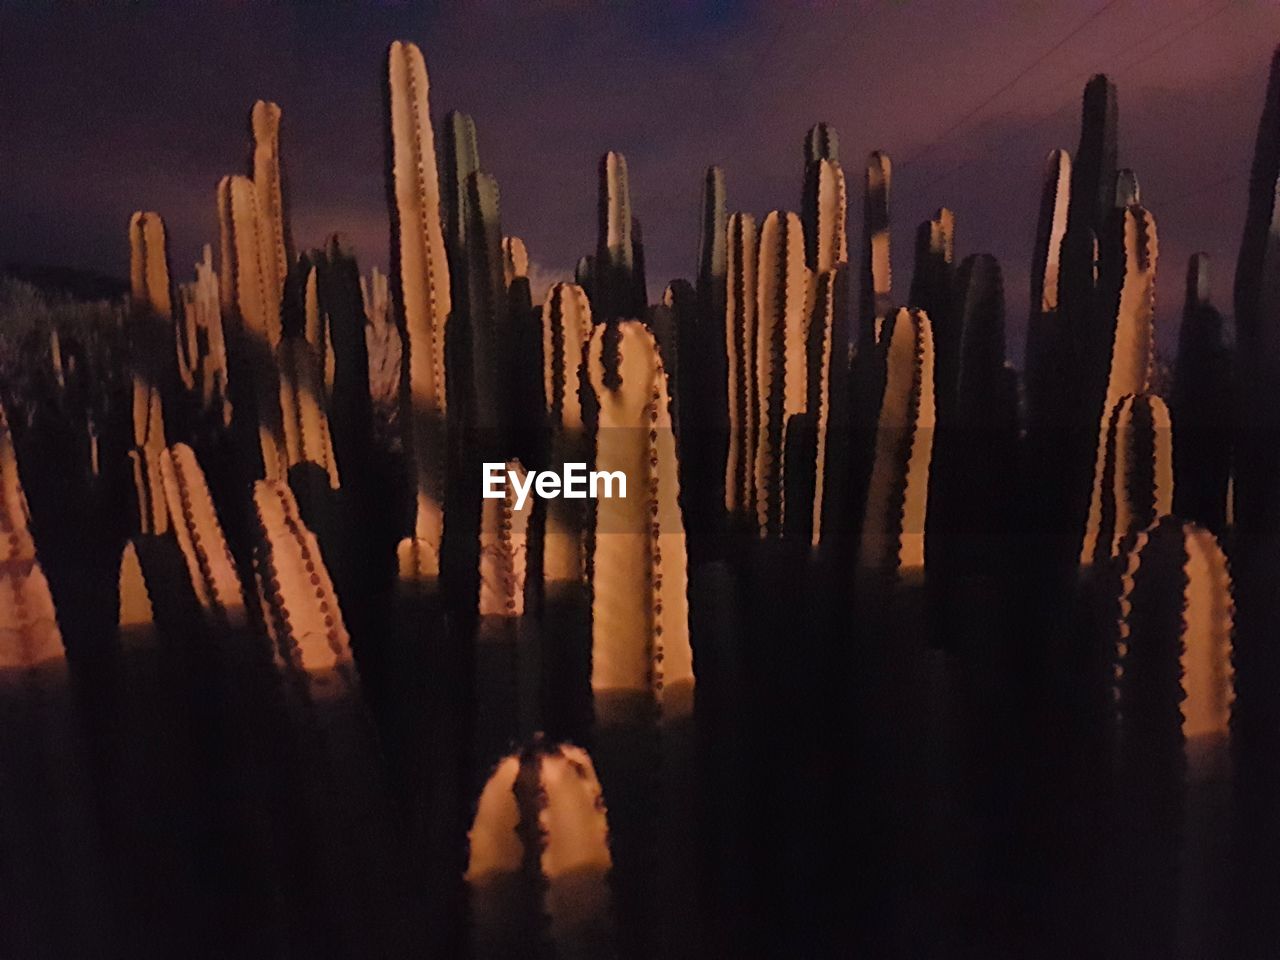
{"type": "Point", "coordinates": [1006, 87]}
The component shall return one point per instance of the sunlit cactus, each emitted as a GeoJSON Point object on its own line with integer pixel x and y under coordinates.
{"type": "Point", "coordinates": [1132, 349]}
{"type": "Point", "coordinates": [1044, 325]}
{"type": "Point", "coordinates": [740, 343]}
{"type": "Point", "coordinates": [642, 663]}
{"type": "Point", "coordinates": [201, 345]}
{"type": "Point", "coordinates": [825, 388]}
{"type": "Point", "coordinates": [877, 274]}
{"type": "Point", "coordinates": [826, 241]}
{"type": "Point", "coordinates": [148, 443]}
{"type": "Point", "coordinates": [149, 265]}
{"type": "Point", "coordinates": [1137, 470]}
{"type": "Point", "coordinates": [642, 653]}
{"type": "Point", "coordinates": [617, 272]}
{"type": "Point", "coordinates": [783, 293]}
{"type": "Point", "coordinates": [1174, 677]}
{"type": "Point", "coordinates": [199, 534]}
{"type": "Point", "coordinates": [29, 634]}
{"type": "Point", "coordinates": [821, 143]}
{"type": "Point", "coordinates": [539, 858]}
{"type": "Point", "coordinates": [892, 539]}
{"type": "Point", "coordinates": [508, 674]}
{"type": "Point", "coordinates": [422, 294]}
{"type": "Point", "coordinates": [302, 406]}
{"type": "Point", "coordinates": [515, 259]}
{"type": "Point", "coordinates": [298, 602]}
{"type": "Point", "coordinates": [273, 231]}
{"type": "Point", "coordinates": [566, 328]}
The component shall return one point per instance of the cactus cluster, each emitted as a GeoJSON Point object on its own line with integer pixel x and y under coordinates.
{"type": "Point", "coordinates": [290, 564]}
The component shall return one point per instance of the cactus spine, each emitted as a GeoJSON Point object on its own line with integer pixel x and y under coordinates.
{"type": "Point", "coordinates": [423, 297]}
{"type": "Point", "coordinates": [783, 294]}
{"type": "Point", "coordinates": [540, 860]}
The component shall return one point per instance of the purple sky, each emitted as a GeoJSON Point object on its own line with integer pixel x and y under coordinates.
{"type": "Point", "coordinates": [111, 109]}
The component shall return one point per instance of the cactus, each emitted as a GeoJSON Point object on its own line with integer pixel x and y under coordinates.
{"type": "Point", "coordinates": [302, 406]}
{"type": "Point", "coordinates": [515, 260]}
{"type": "Point", "coordinates": [821, 143]}
{"type": "Point", "coordinates": [892, 539]}
{"type": "Point", "coordinates": [826, 391]}
{"type": "Point", "coordinates": [1131, 353]}
{"type": "Point", "coordinates": [566, 328]}
{"type": "Point", "coordinates": [617, 274]}
{"type": "Point", "coordinates": [148, 265]}
{"type": "Point", "coordinates": [825, 202]}
{"type": "Point", "coordinates": [422, 295]}
{"type": "Point", "coordinates": [1174, 689]}
{"type": "Point", "coordinates": [508, 673]}
{"type": "Point", "coordinates": [539, 862]}
{"type": "Point", "coordinates": [1138, 470]}
{"type": "Point", "coordinates": [783, 294]}
{"type": "Point", "coordinates": [273, 231]}
{"type": "Point", "coordinates": [740, 344]}
{"type": "Point", "coordinates": [931, 291]}
{"type": "Point", "coordinates": [201, 346]}
{"type": "Point", "coordinates": [461, 160]}
{"type": "Point", "coordinates": [1044, 326]}
{"type": "Point", "coordinates": [642, 664]}
{"type": "Point", "coordinates": [199, 534]}
{"type": "Point", "coordinates": [382, 343]}
{"type": "Point", "coordinates": [1202, 406]}
{"type": "Point", "coordinates": [877, 274]}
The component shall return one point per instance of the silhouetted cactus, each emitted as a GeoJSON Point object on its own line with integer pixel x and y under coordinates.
{"type": "Point", "coordinates": [740, 343]}
{"type": "Point", "coordinates": [877, 274]}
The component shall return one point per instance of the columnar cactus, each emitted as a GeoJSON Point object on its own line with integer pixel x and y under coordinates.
{"type": "Point", "coordinates": [892, 540]}
{"type": "Point", "coordinates": [877, 275]}
{"type": "Point", "coordinates": [149, 442]}
{"type": "Point", "coordinates": [382, 343]}
{"type": "Point", "coordinates": [740, 343]}
{"type": "Point", "coordinates": [617, 272]}
{"type": "Point", "coordinates": [1202, 405]}
{"type": "Point", "coordinates": [931, 291]}
{"type": "Point", "coordinates": [1131, 353]}
{"type": "Point", "coordinates": [515, 260]}
{"type": "Point", "coordinates": [461, 159]}
{"type": "Point", "coordinates": [199, 534]}
{"type": "Point", "coordinates": [821, 143]}
{"type": "Point", "coordinates": [1044, 326]}
{"type": "Point", "coordinates": [29, 634]}
{"type": "Point", "coordinates": [825, 202]}
{"type": "Point", "coordinates": [422, 294]}
{"type": "Point", "coordinates": [201, 345]}
{"type": "Point", "coordinates": [1138, 470]}
{"type": "Point", "coordinates": [783, 302]}
{"type": "Point", "coordinates": [302, 407]}
{"type": "Point", "coordinates": [539, 862]}
{"type": "Point", "coordinates": [508, 674]}
{"type": "Point", "coordinates": [273, 230]}
{"type": "Point", "coordinates": [642, 663]}
{"type": "Point", "coordinates": [149, 265]}
{"type": "Point", "coordinates": [487, 314]}
{"type": "Point", "coordinates": [826, 385]}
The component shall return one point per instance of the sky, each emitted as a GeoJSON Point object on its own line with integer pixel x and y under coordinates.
{"type": "Point", "coordinates": [106, 108]}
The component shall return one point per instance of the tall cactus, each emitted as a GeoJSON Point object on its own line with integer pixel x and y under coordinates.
{"type": "Point", "coordinates": [1131, 354]}
{"type": "Point", "coordinates": [783, 293]}
{"type": "Point", "coordinates": [821, 143]}
{"type": "Point", "coordinates": [461, 160]}
{"type": "Point", "coordinates": [539, 864]}
{"type": "Point", "coordinates": [642, 663]}
{"type": "Point", "coordinates": [877, 273]}
{"type": "Point", "coordinates": [274, 231]}
{"type": "Point", "coordinates": [1138, 470]}
{"type": "Point", "coordinates": [892, 539]}
{"type": "Point", "coordinates": [931, 291]}
{"type": "Point", "coordinates": [422, 295]}
{"type": "Point", "coordinates": [201, 344]}
{"type": "Point", "coordinates": [1044, 328]}
{"type": "Point", "coordinates": [616, 269]}
{"type": "Point", "coordinates": [149, 265]}
{"type": "Point", "coordinates": [1202, 405]}
{"type": "Point", "coordinates": [740, 344]}
{"type": "Point", "coordinates": [825, 203]}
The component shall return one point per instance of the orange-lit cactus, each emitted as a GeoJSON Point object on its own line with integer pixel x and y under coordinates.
{"type": "Point", "coordinates": [423, 295]}
{"type": "Point", "coordinates": [1137, 471]}
{"type": "Point", "coordinates": [897, 497]}
{"type": "Point", "coordinates": [149, 265]}
{"type": "Point", "coordinates": [539, 861]}
{"type": "Point", "coordinates": [740, 342]}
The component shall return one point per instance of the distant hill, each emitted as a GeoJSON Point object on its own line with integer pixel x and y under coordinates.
{"type": "Point", "coordinates": [83, 285]}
